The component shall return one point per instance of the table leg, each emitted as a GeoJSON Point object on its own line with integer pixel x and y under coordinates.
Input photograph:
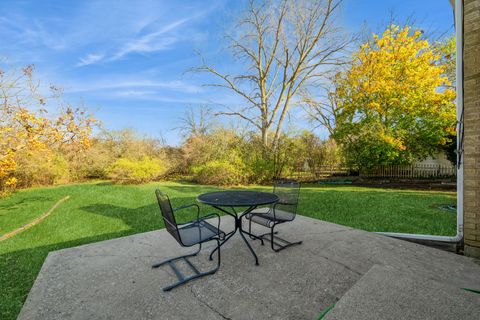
{"type": "Point", "coordinates": [249, 247]}
{"type": "Point", "coordinates": [253, 236]}
{"type": "Point", "coordinates": [221, 244]}
{"type": "Point", "coordinates": [241, 231]}
{"type": "Point", "coordinates": [238, 226]}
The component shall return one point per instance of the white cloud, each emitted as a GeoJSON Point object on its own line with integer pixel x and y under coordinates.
{"type": "Point", "coordinates": [89, 59]}
{"type": "Point", "coordinates": [133, 93]}
{"type": "Point", "coordinates": [158, 40]}
{"type": "Point", "coordinates": [138, 85]}
{"type": "Point", "coordinates": [156, 96]}
{"type": "Point", "coordinates": [153, 41]}
{"type": "Point", "coordinates": [87, 28]}
{"type": "Point", "coordinates": [143, 45]}
{"type": "Point", "coordinates": [34, 32]}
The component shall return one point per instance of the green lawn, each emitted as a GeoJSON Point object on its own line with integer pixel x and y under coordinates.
{"type": "Point", "coordinates": [99, 211]}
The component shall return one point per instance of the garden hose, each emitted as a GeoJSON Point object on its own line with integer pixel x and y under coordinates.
{"type": "Point", "coordinates": [325, 312]}
{"type": "Point", "coordinates": [472, 290]}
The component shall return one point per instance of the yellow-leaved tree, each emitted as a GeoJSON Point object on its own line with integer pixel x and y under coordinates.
{"type": "Point", "coordinates": [35, 127]}
{"type": "Point", "coordinates": [394, 103]}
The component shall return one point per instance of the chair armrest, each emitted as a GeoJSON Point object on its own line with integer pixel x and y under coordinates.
{"type": "Point", "coordinates": [283, 204]}
{"type": "Point", "coordinates": [188, 206]}
{"type": "Point", "coordinates": [208, 216]}
{"type": "Point", "coordinates": [286, 203]}
{"type": "Point", "coordinates": [211, 215]}
{"type": "Point", "coordinates": [273, 208]}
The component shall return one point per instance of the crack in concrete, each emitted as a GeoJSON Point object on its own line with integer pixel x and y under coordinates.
{"type": "Point", "coordinates": [343, 265]}
{"type": "Point", "coordinates": [328, 232]}
{"type": "Point", "coordinates": [145, 244]}
{"type": "Point", "coordinates": [208, 306]}
{"type": "Point", "coordinates": [118, 256]}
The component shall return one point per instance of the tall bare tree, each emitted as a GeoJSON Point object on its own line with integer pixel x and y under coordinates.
{"type": "Point", "coordinates": [286, 47]}
{"type": "Point", "coordinates": [322, 109]}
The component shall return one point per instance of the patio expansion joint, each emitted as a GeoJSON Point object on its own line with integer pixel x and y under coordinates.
{"type": "Point", "coordinates": [207, 305]}
{"type": "Point", "coordinates": [343, 265]}
{"type": "Point", "coordinates": [385, 292]}
{"type": "Point", "coordinates": [133, 256]}
{"type": "Point", "coordinates": [145, 244]}
{"type": "Point", "coordinates": [329, 232]}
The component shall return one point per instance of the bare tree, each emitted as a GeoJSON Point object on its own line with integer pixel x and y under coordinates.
{"type": "Point", "coordinates": [323, 109]}
{"type": "Point", "coordinates": [194, 123]}
{"type": "Point", "coordinates": [286, 47]}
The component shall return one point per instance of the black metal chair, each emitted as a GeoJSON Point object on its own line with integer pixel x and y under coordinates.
{"type": "Point", "coordinates": [187, 235]}
{"type": "Point", "coordinates": [283, 211]}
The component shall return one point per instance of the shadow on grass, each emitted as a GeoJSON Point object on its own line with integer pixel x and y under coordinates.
{"type": "Point", "coordinates": [103, 184]}
{"type": "Point", "coordinates": [23, 202]}
{"type": "Point", "coordinates": [190, 189]}
{"type": "Point", "coordinates": [144, 218]}
{"type": "Point", "coordinates": [138, 219]}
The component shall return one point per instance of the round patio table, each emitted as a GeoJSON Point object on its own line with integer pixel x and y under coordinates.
{"type": "Point", "coordinates": [238, 199]}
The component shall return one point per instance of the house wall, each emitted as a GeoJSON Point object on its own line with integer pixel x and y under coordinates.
{"type": "Point", "coordinates": [438, 159]}
{"type": "Point", "coordinates": [472, 127]}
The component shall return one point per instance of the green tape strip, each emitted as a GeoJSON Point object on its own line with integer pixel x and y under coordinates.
{"type": "Point", "coordinates": [472, 290]}
{"type": "Point", "coordinates": [325, 312]}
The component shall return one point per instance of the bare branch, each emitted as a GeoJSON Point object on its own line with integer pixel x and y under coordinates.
{"type": "Point", "coordinates": [238, 114]}
{"type": "Point", "coordinates": [285, 47]}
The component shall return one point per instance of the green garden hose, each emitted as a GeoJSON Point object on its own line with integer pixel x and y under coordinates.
{"type": "Point", "coordinates": [325, 312]}
{"type": "Point", "coordinates": [472, 290]}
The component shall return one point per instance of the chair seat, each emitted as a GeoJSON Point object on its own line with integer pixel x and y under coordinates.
{"type": "Point", "coordinates": [265, 217]}
{"type": "Point", "coordinates": [190, 235]}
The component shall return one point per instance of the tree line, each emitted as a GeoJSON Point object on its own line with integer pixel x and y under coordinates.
{"type": "Point", "coordinates": [392, 101]}
{"type": "Point", "coordinates": [389, 99]}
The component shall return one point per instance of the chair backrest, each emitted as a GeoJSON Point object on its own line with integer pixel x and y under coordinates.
{"type": "Point", "coordinates": [288, 192]}
{"type": "Point", "coordinates": [167, 214]}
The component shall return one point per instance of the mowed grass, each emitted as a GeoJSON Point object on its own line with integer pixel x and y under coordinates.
{"type": "Point", "coordinates": [100, 211]}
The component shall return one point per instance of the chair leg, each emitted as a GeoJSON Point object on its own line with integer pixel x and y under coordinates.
{"type": "Point", "coordinates": [156, 265]}
{"type": "Point", "coordinates": [250, 228]}
{"type": "Point", "coordinates": [198, 274]}
{"type": "Point", "coordinates": [274, 240]}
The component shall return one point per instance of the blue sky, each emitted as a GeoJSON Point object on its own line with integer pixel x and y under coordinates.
{"type": "Point", "coordinates": [126, 61]}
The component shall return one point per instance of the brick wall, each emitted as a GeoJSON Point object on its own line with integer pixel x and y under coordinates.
{"type": "Point", "coordinates": [472, 127]}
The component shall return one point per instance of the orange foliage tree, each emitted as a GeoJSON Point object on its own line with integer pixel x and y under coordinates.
{"type": "Point", "coordinates": [33, 124]}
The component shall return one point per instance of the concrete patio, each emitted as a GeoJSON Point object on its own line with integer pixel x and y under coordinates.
{"type": "Point", "coordinates": [368, 276]}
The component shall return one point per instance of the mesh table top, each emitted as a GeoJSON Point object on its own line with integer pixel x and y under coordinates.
{"type": "Point", "coordinates": [237, 198]}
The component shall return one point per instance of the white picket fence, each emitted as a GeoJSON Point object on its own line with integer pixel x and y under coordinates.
{"type": "Point", "coordinates": [411, 171]}
{"type": "Point", "coordinates": [303, 173]}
